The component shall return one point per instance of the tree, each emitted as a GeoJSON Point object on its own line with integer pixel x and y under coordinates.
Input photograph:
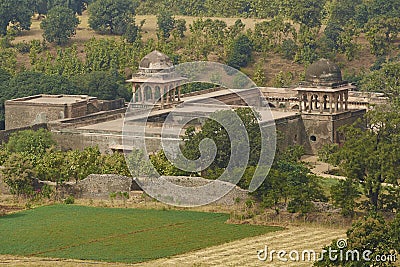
{"type": "Point", "coordinates": [165, 23]}
{"type": "Point", "coordinates": [344, 195]}
{"type": "Point", "coordinates": [8, 59]}
{"type": "Point", "coordinates": [164, 166]}
{"type": "Point", "coordinates": [385, 80]}
{"type": "Point", "coordinates": [112, 16]}
{"type": "Point", "coordinates": [138, 163]}
{"type": "Point", "coordinates": [259, 75]}
{"type": "Point", "coordinates": [106, 85]}
{"type": "Point", "coordinates": [307, 39]}
{"type": "Point", "coordinates": [59, 25]}
{"type": "Point", "coordinates": [77, 6]}
{"type": "Point", "coordinates": [381, 32]}
{"type": "Point", "coordinates": [79, 164]}
{"type": "Point", "coordinates": [18, 13]}
{"type": "Point", "coordinates": [114, 163]}
{"type": "Point", "coordinates": [289, 181]}
{"type": "Point", "coordinates": [305, 12]}
{"type": "Point", "coordinates": [31, 142]}
{"type": "Point", "coordinates": [213, 130]}
{"type": "Point", "coordinates": [371, 157]}
{"type": "Point", "coordinates": [18, 173]}
{"type": "Point", "coordinates": [395, 233]}
{"type": "Point", "coordinates": [51, 167]}
{"type": "Point", "coordinates": [4, 75]}
{"type": "Point", "coordinates": [240, 52]}
{"type": "Point", "coordinates": [370, 233]}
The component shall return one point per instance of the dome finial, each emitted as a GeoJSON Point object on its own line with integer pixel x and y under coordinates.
{"type": "Point", "coordinates": [323, 72]}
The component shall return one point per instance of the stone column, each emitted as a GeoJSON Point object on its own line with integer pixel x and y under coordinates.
{"type": "Point", "coordinates": [321, 103]}
{"type": "Point", "coordinates": [162, 97]}
{"type": "Point", "coordinates": [330, 102]}
{"type": "Point", "coordinates": [174, 95]}
{"type": "Point", "coordinates": [335, 102]}
{"type": "Point", "coordinates": [309, 96]}
{"type": "Point", "coordinates": [300, 96]}
{"type": "Point", "coordinates": [153, 94]}
{"type": "Point", "coordinates": [134, 92]}
{"type": "Point", "coordinates": [142, 93]}
{"type": "Point", "coordinates": [316, 99]}
{"type": "Point", "coordinates": [341, 101]}
{"type": "Point", "coordinates": [167, 94]}
{"type": "Point", "coordinates": [179, 93]}
{"type": "Point", "coordinates": [346, 99]}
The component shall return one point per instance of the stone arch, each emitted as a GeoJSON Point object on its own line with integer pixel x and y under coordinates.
{"type": "Point", "coordinates": [157, 93]}
{"type": "Point", "coordinates": [147, 93]}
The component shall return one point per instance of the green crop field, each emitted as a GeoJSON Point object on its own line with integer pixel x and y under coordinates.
{"type": "Point", "coordinates": [116, 235]}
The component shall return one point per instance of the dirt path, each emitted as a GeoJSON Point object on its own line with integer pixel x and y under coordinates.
{"type": "Point", "coordinates": [244, 252]}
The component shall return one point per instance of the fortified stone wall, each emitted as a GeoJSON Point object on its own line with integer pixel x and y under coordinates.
{"type": "Point", "coordinates": [101, 185]}
{"type": "Point", "coordinates": [18, 115]}
{"type": "Point", "coordinates": [5, 134]}
{"type": "Point", "coordinates": [318, 130]}
{"type": "Point", "coordinates": [347, 119]}
{"type": "Point", "coordinates": [291, 132]}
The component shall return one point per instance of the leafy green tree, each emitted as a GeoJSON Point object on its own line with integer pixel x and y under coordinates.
{"type": "Point", "coordinates": [269, 35]}
{"type": "Point", "coordinates": [111, 16]}
{"type": "Point", "coordinates": [385, 80]}
{"type": "Point", "coordinates": [213, 130]}
{"type": "Point", "coordinates": [165, 23]}
{"type": "Point", "coordinates": [104, 85]}
{"type": "Point", "coordinates": [307, 45]}
{"type": "Point", "coordinates": [381, 32]}
{"type": "Point", "coordinates": [109, 54]}
{"type": "Point", "coordinates": [30, 142]}
{"type": "Point", "coordinates": [371, 157]}
{"type": "Point", "coordinates": [8, 59]}
{"type": "Point", "coordinates": [344, 195]}
{"type": "Point", "coordinates": [288, 49]}
{"type": "Point", "coordinates": [4, 75]}
{"type": "Point", "coordinates": [326, 153]}
{"type": "Point", "coordinates": [369, 233]}
{"type": "Point", "coordinates": [240, 52]}
{"type": "Point", "coordinates": [164, 166]}
{"type": "Point", "coordinates": [395, 233]}
{"type": "Point", "coordinates": [289, 181]}
{"type": "Point", "coordinates": [283, 79]}
{"type": "Point", "coordinates": [138, 164]}
{"type": "Point", "coordinates": [114, 163]}
{"type": "Point", "coordinates": [16, 13]}
{"type": "Point", "coordinates": [18, 173]}
{"type": "Point", "coordinates": [79, 164]}
{"type": "Point", "coordinates": [259, 76]}
{"type": "Point", "coordinates": [59, 25]}
{"type": "Point", "coordinates": [51, 167]}
{"type": "Point", "coordinates": [42, 7]}
{"type": "Point", "coordinates": [305, 12]}
{"type": "Point", "coordinates": [180, 27]}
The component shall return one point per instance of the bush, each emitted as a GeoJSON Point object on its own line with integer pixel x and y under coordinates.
{"type": "Point", "coordinates": [69, 200]}
{"type": "Point", "coordinates": [289, 48]}
{"type": "Point", "coordinates": [299, 205]}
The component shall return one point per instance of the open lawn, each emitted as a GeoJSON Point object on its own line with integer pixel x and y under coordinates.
{"type": "Point", "coordinates": [115, 234]}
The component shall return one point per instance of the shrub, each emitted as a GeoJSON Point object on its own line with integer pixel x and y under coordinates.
{"type": "Point", "coordinates": [69, 200]}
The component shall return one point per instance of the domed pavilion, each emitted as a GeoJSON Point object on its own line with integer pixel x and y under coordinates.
{"type": "Point", "coordinates": [323, 89]}
{"type": "Point", "coordinates": [156, 82]}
